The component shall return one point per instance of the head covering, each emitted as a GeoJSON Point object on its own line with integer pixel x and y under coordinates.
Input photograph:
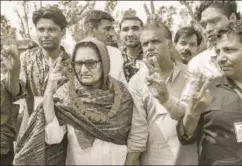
{"type": "Point", "coordinates": [104, 56]}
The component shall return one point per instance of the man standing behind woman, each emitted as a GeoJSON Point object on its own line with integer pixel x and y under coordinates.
{"type": "Point", "coordinates": [94, 109]}
{"type": "Point", "coordinates": [28, 73]}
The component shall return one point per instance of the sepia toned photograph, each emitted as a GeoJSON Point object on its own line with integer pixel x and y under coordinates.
{"type": "Point", "coordinates": [121, 82]}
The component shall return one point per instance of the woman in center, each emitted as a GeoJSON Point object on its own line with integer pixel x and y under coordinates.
{"type": "Point", "coordinates": [93, 108]}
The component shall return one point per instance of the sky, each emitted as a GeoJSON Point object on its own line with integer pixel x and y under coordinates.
{"type": "Point", "coordinates": [7, 8]}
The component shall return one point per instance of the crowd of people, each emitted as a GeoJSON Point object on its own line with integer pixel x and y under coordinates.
{"type": "Point", "coordinates": [157, 100]}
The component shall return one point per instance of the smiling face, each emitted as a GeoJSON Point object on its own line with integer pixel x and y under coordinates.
{"type": "Point", "coordinates": [187, 47]}
{"type": "Point", "coordinates": [229, 55]}
{"type": "Point", "coordinates": [49, 34]}
{"type": "Point", "coordinates": [213, 20]}
{"type": "Point", "coordinates": [130, 32]}
{"type": "Point", "coordinates": [88, 66]}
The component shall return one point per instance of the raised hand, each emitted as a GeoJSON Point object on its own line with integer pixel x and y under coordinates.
{"type": "Point", "coordinates": [156, 81]}
{"type": "Point", "coordinates": [59, 73]}
{"type": "Point", "coordinates": [201, 98]}
{"type": "Point", "coordinates": [11, 58]}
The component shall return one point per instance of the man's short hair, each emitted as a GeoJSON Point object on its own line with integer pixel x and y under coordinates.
{"type": "Point", "coordinates": [131, 18]}
{"type": "Point", "coordinates": [168, 34]}
{"type": "Point", "coordinates": [188, 31]}
{"type": "Point", "coordinates": [95, 16]}
{"type": "Point", "coordinates": [226, 6]}
{"type": "Point", "coordinates": [50, 12]}
{"type": "Point", "coordinates": [233, 28]}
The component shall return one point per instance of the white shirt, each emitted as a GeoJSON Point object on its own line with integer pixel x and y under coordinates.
{"type": "Point", "coordinates": [116, 64]}
{"type": "Point", "coordinates": [203, 64]}
{"type": "Point", "coordinates": [100, 153]}
{"type": "Point", "coordinates": [153, 131]}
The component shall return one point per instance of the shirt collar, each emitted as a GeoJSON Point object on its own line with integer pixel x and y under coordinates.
{"type": "Point", "coordinates": [140, 54]}
{"type": "Point", "coordinates": [224, 81]}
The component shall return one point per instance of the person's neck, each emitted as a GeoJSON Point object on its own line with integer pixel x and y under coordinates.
{"type": "Point", "coordinates": [238, 83]}
{"type": "Point", "coordinates": [167, 68]}
{"type": "Point", "coordinates": [133, 51]}
{"type": "Point", "coordinates": [51, 56]}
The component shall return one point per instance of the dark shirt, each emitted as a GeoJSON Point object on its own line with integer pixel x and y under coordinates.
{"type": "Point", "coordinates": [217, 143]}
{"type": "Point", "coordinates": [9, 113]}
{"type": "Point", "coordinates": [130, 67]}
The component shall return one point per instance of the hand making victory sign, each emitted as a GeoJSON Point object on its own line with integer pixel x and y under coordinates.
{"type": "Point", "coordinates": [60, 72]}
{"type": "Point", "coordinates": [156, 80]}
{"type": "Point", "coordinates": [11, 58]}
{"type": "Point", "coordinates": [201, 98]}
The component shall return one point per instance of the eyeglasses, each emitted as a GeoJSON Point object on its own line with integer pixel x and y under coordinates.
{"type": "Point", "coordinates": [90, 64]}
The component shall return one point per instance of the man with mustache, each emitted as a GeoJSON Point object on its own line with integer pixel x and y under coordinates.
{"type": "Point", "coordinates": [214, 16]}
{"type": "Point", "coordinates": [153, 139]}
{"type": "Point", "coordinates": [217, 125]}
{"type": "Point", "coordinates": [99, 24]}
{"type": "Point", "coordinates": [187, 41]}
{"type": "Point", "coordinates": [130, 29]}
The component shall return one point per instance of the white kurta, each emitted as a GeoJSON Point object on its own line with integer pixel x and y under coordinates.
{"type": "Point", "coordinates": [101, 153]}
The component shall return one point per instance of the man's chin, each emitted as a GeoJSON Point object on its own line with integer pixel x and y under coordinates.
{"type": "Point", "coordinates": [132, 45]}
{"type": "Point", "coordinates": [49, 48]}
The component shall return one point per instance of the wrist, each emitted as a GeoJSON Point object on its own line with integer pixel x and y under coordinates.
{"type": "Point", "coordinates": [163, 98]}
{"type": "Point", "coordinates": [192, 114]}
{"type": "Point", "coordinates": [14, 74]}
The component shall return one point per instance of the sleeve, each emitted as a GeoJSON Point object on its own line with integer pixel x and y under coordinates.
{"type": "Point", "coordinates": [191, 79]}
{"type": "Point", "coordinates": [175, 107]}
{"type": "Point", "coordinates": [139, 129]}
{"type": "Point", "coordinates": [54, 133]}
{"type": "Point", "coordinates": [182, 136]}
{"type": "Point", "coordinates": [22, 77]}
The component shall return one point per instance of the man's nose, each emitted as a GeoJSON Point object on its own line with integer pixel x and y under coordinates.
{"type": "Point", "coordinates": [150, 46]}
{"type": "Point", "coordinates": [222, 59]}
{"type": "Point", "coordinates": [45, 33]}
{"type": "Point", "coordinates": [187, 47]}
{"type": "Point", "coordinates": [209, 28]}
{"type": "Point", "coordinates": [130, 33]}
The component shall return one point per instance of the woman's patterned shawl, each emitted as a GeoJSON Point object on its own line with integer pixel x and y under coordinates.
{"type": "Point", "coordinates": [103, 113]}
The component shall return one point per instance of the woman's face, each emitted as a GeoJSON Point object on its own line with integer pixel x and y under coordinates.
{"type": "Point", "coordinates": [88, 66]}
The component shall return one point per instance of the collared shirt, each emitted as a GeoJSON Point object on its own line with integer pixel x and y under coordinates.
{"type": "Point", "coordinates": [153, 131]}
{"type": "Point", "coordinates": [203, 64]}
{"type": "Point", "coordinates": [216, 130]}
{"type": "Point", "coordinates": [131, 64]}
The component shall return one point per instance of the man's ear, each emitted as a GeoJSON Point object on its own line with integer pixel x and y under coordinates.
{"type": "Point", "coordinates": [90, 29]}
{"type": "Point", "coordinates": [233, 17]}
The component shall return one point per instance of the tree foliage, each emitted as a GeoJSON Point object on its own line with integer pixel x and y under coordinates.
{"type": "Point", "coordinates": [7, 31]}
{"type": "Point", "coordinates": [23, 11]}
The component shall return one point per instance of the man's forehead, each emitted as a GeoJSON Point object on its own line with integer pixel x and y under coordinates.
{"type": "Point", "coordinates": [130, 23]}
{"type": "Point", "coordinates": [154, 33]}
{"type": "Point", "coordinates": [210, 13]}
{"type": "Point", "coordinates": [185, 37]}
{"type": "Point", "coordinates": [46, 22]}
{"type": "Point", "coordinates": [229, 39]}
